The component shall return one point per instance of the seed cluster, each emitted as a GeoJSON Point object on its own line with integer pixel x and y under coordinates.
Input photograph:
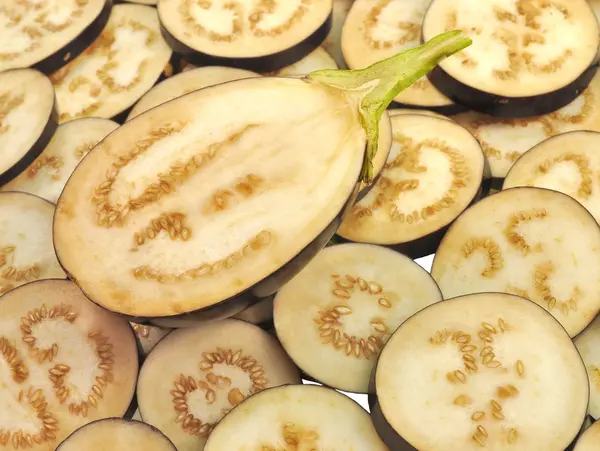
{"type": "Point", "coordinates": [141, 330]}
{"type": "Point", "coordinates": [245, 187]}
{"type": "Point", "coordinates": [84, 149]}
{"type": "Point", "coordinates": [296, 438]}
{"type": "Point", "coordinates": [514, 238]}
{"type": "Point", "coordinates": [12, 273]}
{"type": "Point", "coordinates": [8, 103]}
{"type": "Point", "coordinates": [491, 248]}
{"type": "Point", "coordinates": [542, 273]}
{"type": "Point", "coordinates": [583, 165]}
{"type": "Point", "coordinates": [171, 223]}
{"type": "Point", "coordinates": [411, 32]}
{"type": "Point", "coordinates": [51, 162]}
{"type": "Point", "coordinates": [18, 368]}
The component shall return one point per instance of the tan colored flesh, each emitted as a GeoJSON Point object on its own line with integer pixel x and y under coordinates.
{"type": "Point", "coordinates": [590, 440]}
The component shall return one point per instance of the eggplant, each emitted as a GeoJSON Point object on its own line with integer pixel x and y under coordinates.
{"type": "Point", "coordinates": [588, 345]}
{"type": "Point", "coordinates": [480, 371]}
{"type": "Point", "coordinates": [434, 171]}
{"type": "Point", "coordinates": [147, 337]}
{"type": "Point", "coordinates": [336, 315]}
{"type": "Point", "coordinates": [333, 42]}
{"type": "Point", "coordinates": [590, 440]}
{"type": "Point", "coordinates": [194, 376]}
{"type": "Point", "coordinates": [528, 58]}
{"type": "Point", "coordinates": [318, 59]}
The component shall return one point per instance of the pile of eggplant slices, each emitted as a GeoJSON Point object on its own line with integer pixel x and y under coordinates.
{"type": "Point", "coordinates": [299, 225]}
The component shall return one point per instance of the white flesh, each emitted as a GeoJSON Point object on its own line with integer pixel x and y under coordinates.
{"type": "Point", "coordinates": [550, 43]}
{"type": "Point", "coordinates": [271, 159]}
{"type": "Point", "coordinates": [590, 440]}
{"type": "Point", "coordinates": [424, 402]}
{"type": "Point", "coordinates": [121, 65]}
{"type": "Point", "coordinates": [387, 288]}
{"type": "Point", "coordinates": [26, 106]}
{"type": "Point", "coordinates": [536, 243]}
{"type": "Point", "coordinates": [410, 111]}
{"type": "Point", "coordinates": [318, 59]}
{"type": "Point", "coordinates": [47, 175]}
{"type": "Point", "coordinates": [378, 29]}
{"type": "Point", "coordinates": [242, 29]}
{"type": "Point", "coordinates": [588, 344]}
{"type": "Point", "coordinates": [217, 357]}
{"type": "Point", "coordinates": [505, 140]}
{"type": "Point", "coordinates": [148, 336]}
{"type": "Point", "coordinates": [316, 418]}
{"type": "Point", "coordinates": [333, 43]}
{"type": "Point", "coordinates": [26, 251]}
{"type": "Point", "coordinates": [432, 159]}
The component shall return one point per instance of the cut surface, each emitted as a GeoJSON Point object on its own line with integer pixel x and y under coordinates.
{"type": "Point", "coordinates": [536, 243]}
{"type": "Point", "coordinates": [488, 371]}
{"type": "Point", "coordinates": [588, 344]}
{"type": "Point", "coordinates": [194, 377]}
{"type": "Point", "coordinates": [318, 59]}
{"type": "Point", "coordinates": [521, 48]}
{"type": "Point", "coordinates": [333, 42]}
{"type": "Point", "coordinates": [113, 73]}
{"type": "Point", "coordinates": [148, 336]}
{"type": "Point", "coordinates": [64, 363]}
{"type": "Point", "coordinates": [48, 174]}
{"type": "Point", "coordinates": [590, 440]}
{"type": "Point", "coordinates": [334, 317]}
{"type": "Point", "coordinates": [314, 417]}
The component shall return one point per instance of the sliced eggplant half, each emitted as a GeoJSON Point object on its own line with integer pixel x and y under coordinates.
{"type": "Point", "coordinates": [186, 82]}
{"type": "Point", "coordinates": [398, 111]}
{"type": "Point", "coordinates": [48, 174]}
{"type": "Point", "coordinates": [316, 60]}
{"type": "Point", "coordinates": [588, 344]}
{"type": "Point", "coordinates": [68, 362]}
{"type": "Point", "coordinates": [194, 376]}
{"type": "Point", "coordinates": [261, 36]}
{"type": "Point", "coordinates": [333, 42]}
{"type": "Point", "coordinates": [117, 69]}
{"type": "Point", "coordinates": [484, 371]}
{"type": "Point", "coordinates": [536, 243]}
{"type": "Point", "coordinates": [590, 440]}
{"type": "Point", "coordinates": [28, 119]}
{"type": "Point", "coordinates": [434, 171]}
{"type": "Point", "coordinates": [334, 317]}
{"type": "Point", "coordinates": [148, 336]}
{"type": "Point", "coordinates": [296, 417]}
{"type": "Point", "coordinates": [529, 57]}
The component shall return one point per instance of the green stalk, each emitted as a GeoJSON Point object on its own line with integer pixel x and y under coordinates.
{"type": "Point", "coordinates": [384, 80]}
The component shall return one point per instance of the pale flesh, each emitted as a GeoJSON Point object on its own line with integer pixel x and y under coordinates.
{"type": "Point", "coordinates": [588, 344]}
{"type": "Point", "coordinates": [590, 440]}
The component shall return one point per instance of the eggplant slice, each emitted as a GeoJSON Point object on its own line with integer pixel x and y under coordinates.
{"type": "Point", "coordinates": [48, 174]}
{"type": "Point", "coordinates": [590, 440]}
{"type": "Point", "coordinates": [333, 42]}
{"type": "Point", "coordinates": [434, 171]}
{"type": "Point", "coordinates": [28, 119]}
{"type": "Point", "coordinates": [296, 417]}
{"type": "Point", "coordinates": [588, 344]}
{"type": "Point", "coordinates": [536, 243]}
{"type": "Point", "coordinates": [260, 36]}
{"type": "Point", "coordinates": [117, 69]}
{"type": "Point", "coordinates": [148, 336]}
{"type": "Point", "coordinates": [194, 376]}
{"type": "Point", "coordinates": [529, 57]}
{"type": "Point", "coordinates": [484, 371]}
{"type": "Point", "coordinates": [316, 60]}
{"type": "Point", "coordinates": [69, 362]}
{"type": "Point", "coordinates": [334, 317]}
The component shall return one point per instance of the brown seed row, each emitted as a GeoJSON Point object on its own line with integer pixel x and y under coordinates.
{"type": "Point", "coordinates": [51, 162]}
{"type": "Point", "coordinates": [255, 370]}
{"type": "Point", "coordinates": [245, 187]}
{"type": "Point", "coordinates": [256, 17]}
{"type": "Point", "coordinates": [410, 31]}
{"type": "Point", "coordinates": [490, 247]}
{"type": "Point", "coordinates": [171, 223]}
{"type": "Point", "coordinates": [18, 368]}
{"type": "Point", "coordinates": [542, 273]}
{"type": "Point", "coordinates": [84, 149]}
{"type": "Point", "coordinates": [583, 165]}
{"type": "Point", "coordinates": [514, 238]}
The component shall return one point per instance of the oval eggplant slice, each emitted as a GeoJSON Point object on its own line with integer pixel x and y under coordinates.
{"type": "Point", "coordinates": [117, 69]}
{"type": "Point", "coordinates": [186, 82]}
{"type": "Point", "coordinates": [48, 174]}
{"type": "Point", "coordinates": [590, 440]}
{"type": "Point", "coordinates": [70, 362]}
{"type": "Point", "coordinates": [260, 36]}
{"type": "Point", "coordinates": [302, 417]}
{"type": "Point", "coordinates": [28, 119]}
{"type": "Point", "coordinates": [485, 371]}
{"type": "Point", "coordinates": [529, 57]}
{"type": "Point", "coordinates": [114, 434]}
{"type": "Point", "coordinates": [335, 316]}
{"type": "Point", "coordinates": [195, 376]}
{"type": "Point", "coordinates": [536, 243]}
{"type": "Point", "coordinates": [588, 344]}
{"type": "Point", "coordinates": [316, 60]}
{"type": "Point", "coordinates": [148, 336]}
{"type": "Point", "coordinates": [434, 171]}
{"type": "Point", "coordinates": [333, 42]}
{"type": "Point", "coordinates": [26, 251]}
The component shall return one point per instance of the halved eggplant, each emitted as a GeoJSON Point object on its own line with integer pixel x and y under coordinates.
{"type": "Point", "coordinates": [28, 119]}
{"type": "Point", "coordinates": [48, 174]}
{"type": "Point", "coordinates": [333, 42]}
{"type": "Point", "coordinates": [296, 417]}
{"type": "Point", "coordinates": [68, 361]}
{"type": "Point", "coordinates": [117, 69]}
{"type": "Point", "coordinates": [590, 440]}
{"type": "Point", "coordinates": [148, 336]}
{"type": "Point", "coordinates": [165, 190]}
{"type": "Point", "coordinates": [484, 371]}
{"type": "Point", "coordinates": [588, 344]}
{"type": "Point", "coordinates": [316, 60]}
{"type": "Point", "coordinates": [530, 57]}
{"type": "Point", "coordinates": [194, 376]}
{"type": "Point", "coordinates": [434, 171]}
{"type": "Point", "coordinates": [397, 111]}
{"type": "Point", "coordinates": [536, 243]}
{"type": "Point", "coordinates": [334, 317]}
{"type": "Point", "coordinates": [112, 434]}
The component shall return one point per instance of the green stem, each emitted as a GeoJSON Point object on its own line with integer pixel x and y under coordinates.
{"type": "Point", "coordinates": [384, 80]}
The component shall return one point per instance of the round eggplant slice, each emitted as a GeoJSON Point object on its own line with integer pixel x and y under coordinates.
{"type": "Point", "coordinates": [68, 361]}
{"type": "Point", "coordinates": [590, 440]}
{"type": "Point", "coordinates": [260, 36]}
{"type": "Point", "coordinates": [26, 251]}
{"type": "Point", "coordinates": [27, 119]}
{"type": "Point", "coordinates": [536, 243]}
{"type": "Point", "coordinates": [333, 42]}
{"type": "Point", "coordinates": [48, 174]}
{"type": "Point", "coordinates": [484, 371]}
{"type": "Point", "coordinates": [335, 316]}
{"type": "Point", "coordinates": [148, 336]}
{"type": "Point", "coordinates": [194, 376]}
{"type": "Point", "coordinates": [434, 171]}
{"type": "Point", "coordinates": [116, 434]}
{"type": "Point", "coordinates": [316, 60]}
{"type": "Point", "coordinates": [186, 82]}
{"type": "Point", "coordinates": [529, 57]}
{"type": "Point", "coordinates": [588, 344]}
{"type": "Point", "coordinates": [302, 417]}
{"type": "Point", "coordinates": [117, 69]}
